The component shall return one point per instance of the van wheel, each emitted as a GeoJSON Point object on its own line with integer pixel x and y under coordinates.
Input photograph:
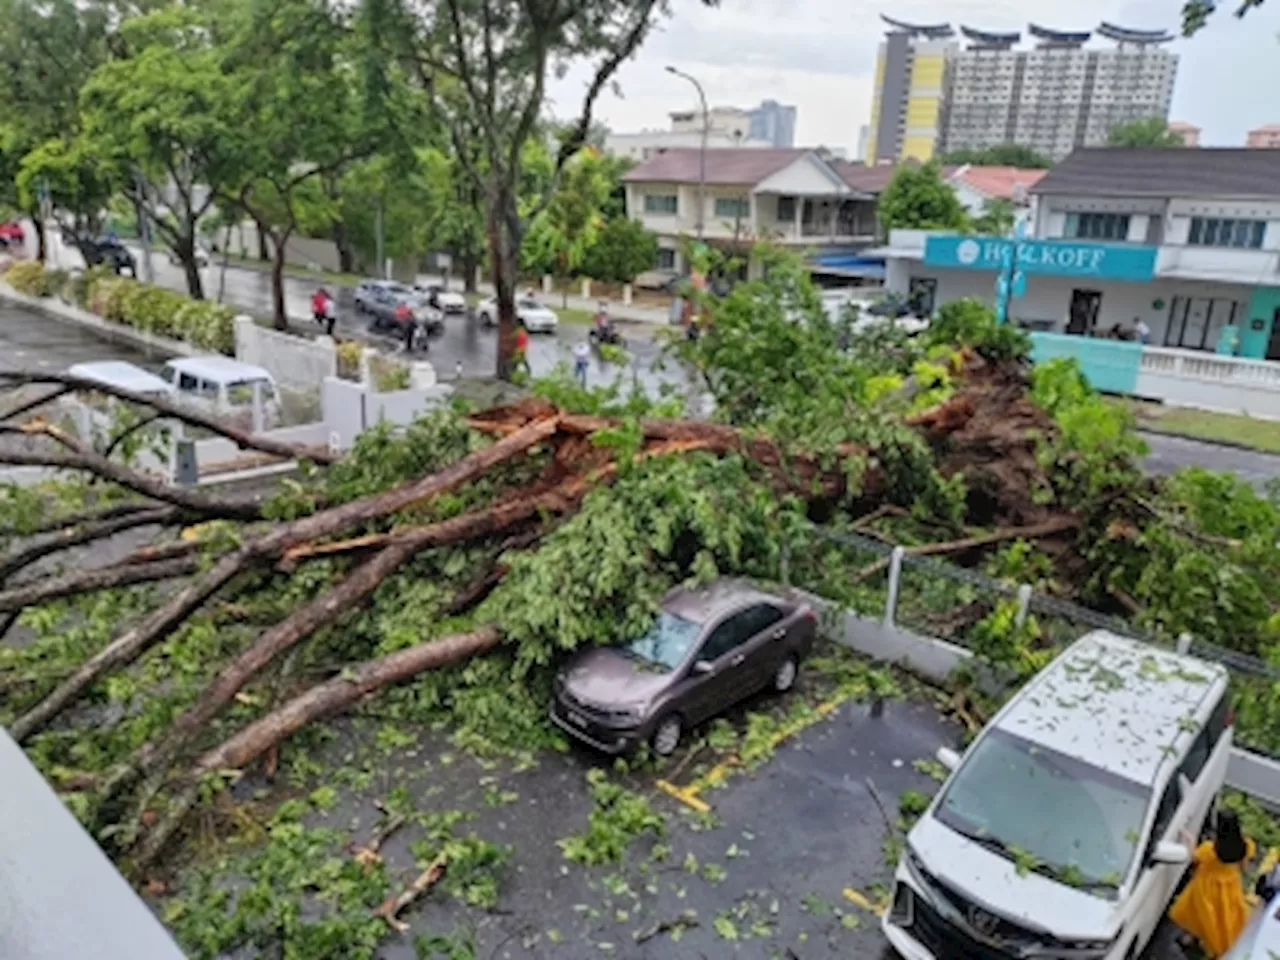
{"type": "Point", "coordinates": [785, 676]}
{"type": "Point", "coordinates": [667, 736]}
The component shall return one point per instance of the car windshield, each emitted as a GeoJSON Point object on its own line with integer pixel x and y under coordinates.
{"type": "Point", "coordinates": [1046, 812]}
{"type": "Point", "coordinates": [530, 305]}
{"type": "Point", "coordinates": [666, 643]}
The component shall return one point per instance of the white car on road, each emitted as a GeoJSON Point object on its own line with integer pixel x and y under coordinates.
{"type": "Point", "coordinates": [535, 317]}
{"type": "Point", "coordinates": [446, 301]}
{"type": "Point", "coordinates": [1057, 835]}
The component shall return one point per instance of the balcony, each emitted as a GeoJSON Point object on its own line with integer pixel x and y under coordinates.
{"type": "Point", "coordinates": [1224, 264]}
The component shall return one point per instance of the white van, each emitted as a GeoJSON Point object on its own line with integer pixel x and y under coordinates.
{"type": "Point", "coordinates": [1057, 835]}
{"type": "Point", "coordinates": [226, 387]}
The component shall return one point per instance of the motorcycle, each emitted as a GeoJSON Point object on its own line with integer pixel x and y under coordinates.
{"type": "Point", "coordinates": [606, 333]}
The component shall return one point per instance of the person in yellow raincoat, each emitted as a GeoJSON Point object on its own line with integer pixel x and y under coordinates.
{"type": "Point", "coordinates": [1212, 907]}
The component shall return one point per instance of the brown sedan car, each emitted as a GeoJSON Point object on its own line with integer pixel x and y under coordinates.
{"type": "Point", "coordinates": [707, 649]}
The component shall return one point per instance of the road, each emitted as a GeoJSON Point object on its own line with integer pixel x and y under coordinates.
{"type": "Point", "coordinates": [1172, 453]}
{"type": "Point", "coordinates": [464, 349]}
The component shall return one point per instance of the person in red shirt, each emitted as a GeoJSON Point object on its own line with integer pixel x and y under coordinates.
{"type": "Point", "coordinates": [404, 318]}
{"type": "Point", "coordinates": [521, 361]}
{"type": "Point", "coordinates": [319, 301]}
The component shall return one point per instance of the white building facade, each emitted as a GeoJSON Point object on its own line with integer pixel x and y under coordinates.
{"type": "Point", "coordinates": [1182, 243]}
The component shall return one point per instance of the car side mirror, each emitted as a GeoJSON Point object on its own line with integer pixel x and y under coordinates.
{"type": "Point", "coordinates": [1167, 851]}
{"type": "Point", "coordinates": [702, 667]}
{"type": "Point", "coordinates": [948, 757]}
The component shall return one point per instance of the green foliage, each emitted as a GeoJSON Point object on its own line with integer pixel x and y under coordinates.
{"type": "Point", "coordinates": [297, 870]}
{"type": "Point", "coordinates": [1096, 447]}
{"type": "Point", "coordinates": [1000, 155]}
{"type": "Point", "coordinates": [1151, 132]}
{"type": "Point", "coordinates": [389, 374]}
{"type": "Point", "coordinates": [29, 277]}
{"type": "Point", "coordinates": [623, 249]}
{"type": "Point", "coordinates": [617, 817]}
{"type": "Point", "coordinates": [971, 323]}
{"type": "Point", "coordinates": [917, 198]}
{"type": "Point", "coordinates": [561, 234]}
{"type": "Point", "coordinates": [997, 219]}
{"type": "Point", "coordinates": [598, 576]}
{"type": "Point", "coordinates": [163, 312]}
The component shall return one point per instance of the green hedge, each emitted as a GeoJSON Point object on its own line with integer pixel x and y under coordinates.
{"type": "Point", "coordinates": [210, 326]}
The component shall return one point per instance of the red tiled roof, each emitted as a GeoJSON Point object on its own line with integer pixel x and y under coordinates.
{"type": "Point", "coordinates": [742, 165]}
{"type": "Point", "coordinates": [998, 182]}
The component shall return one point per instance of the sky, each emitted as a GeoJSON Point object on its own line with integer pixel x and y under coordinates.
{"type": "Point", "coordinates": [819, 55]}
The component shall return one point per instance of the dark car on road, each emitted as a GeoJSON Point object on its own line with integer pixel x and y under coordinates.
{"type": "Point", "coordinates": [708, 648]}
{"type": "Point", "coordinates": [379, 299]}
{"type": "Point", "coordinates": [108, 252]}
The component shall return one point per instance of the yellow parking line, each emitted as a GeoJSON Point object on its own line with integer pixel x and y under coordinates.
{"type": "Point", "coordinates": [686, 795]}
{"type": "Point", "coordinates": [720, 772]}
{"type": "Point", "coordinates": [858, 898]}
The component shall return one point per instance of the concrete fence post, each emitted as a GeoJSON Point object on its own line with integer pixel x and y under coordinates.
{"type": "Point", "coordinates": [626, 294]}
{"type": "Point", "coordinates": [366, 366]}
{"type": "Point", "coordinates": [1024, 604]}
{"type": "Point", "coordinates": [586, 288]}
{"type": "Point", "coordinates": [895, 578]}
{"type": "Point", "coordinates": [246, 339]}
{"type": "Point", "coordinates": [1184, 643]}
{"type": "Point", "coordinates": [546, 284]}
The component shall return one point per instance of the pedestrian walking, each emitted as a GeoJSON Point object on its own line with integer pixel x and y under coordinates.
{"type": "Point", "coordinates": [1141, 330]}
{"type": "Point", "coordinates": [404, 317]}
{"type": "Point", "coordinates": [521, 359]}
{"type": "Point", "coordinates": [330, 315]}
{"type": "Point", "coordinates": [1212, 907]}
{"type": "Point", "coordinates": [581, 357]}
{"type": "Point", "coordinates": [318, 300]}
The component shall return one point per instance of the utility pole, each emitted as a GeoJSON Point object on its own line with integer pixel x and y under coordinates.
{"type": "Point", "coordinates": [702, 149]}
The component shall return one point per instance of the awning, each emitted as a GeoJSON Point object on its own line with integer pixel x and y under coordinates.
{"type": "Point", "coordinates": [849, 265]}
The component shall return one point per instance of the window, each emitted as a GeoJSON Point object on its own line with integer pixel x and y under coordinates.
{"type": "Point", "coordinates": [1203, 746]}
{"type": "Point", "coordinates": [1217, 232]}
{"type": "Point", "coordinates": [662, 203]}
{"type": "Point", "coordinates": [666, 259]}
{"type": "Point", "coordinates": [666, 642]}
{"type": "Point", "coordinates": [1012, 794]}
{"type": "Point", "coordinates": [731, 208]}
{"type": "Point", "coordinates": [731, 633]}
{"type": "Point", "coordinates": [1195, 323]}
{"type": "Point", "coordinates": [187, 383]}
{"type": "Point", "coordinates": [786, 209]}
{"type": "Point", "coordinates": [759, 618]}
{"type": "Point", "coordinates": [1097, 226]}
{"type": "Point", "coordinates": [1164, 815]}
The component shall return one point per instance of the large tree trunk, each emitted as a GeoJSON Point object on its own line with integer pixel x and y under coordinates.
{"type": "Point", "coordinates": [42, 244]}
{"type": "Point", "coordinates": [279, 317]}
{"type": "Point", "coordinates": [187, 254]}
{"type": "Point", "coordinates": [470, 260]}
{"type": "Point", "coordinates": [504, 255]}
{"type": "Point", "coordinates": [264, 251]}
{"type": "Point", "coordinates": [132, 644]}
{"type": "Point", "coordinates": [342, 240]}
{"type": "Point", "coordinates": [350, 686]}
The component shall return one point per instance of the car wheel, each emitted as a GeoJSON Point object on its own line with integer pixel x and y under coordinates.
{"type": "Point", "coordinates": [667, 735]}
{"type": "Point", "coordinates": [785, 676]}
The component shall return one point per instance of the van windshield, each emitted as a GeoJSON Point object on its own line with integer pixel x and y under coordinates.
{"type": "Point", "coordinates": [1046, 812]}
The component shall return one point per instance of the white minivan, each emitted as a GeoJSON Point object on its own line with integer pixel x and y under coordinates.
{"type": "Point", "coordinates": [1056, 837]}
{"type": "Point", "coordinates": [225, 387]}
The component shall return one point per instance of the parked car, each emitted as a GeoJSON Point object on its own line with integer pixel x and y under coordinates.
{"type": "Point", "coordinates": [707, 649]}
{"type": "Point", "coordinates": [535, 317]}
{"type": "Point", "coordinates": [1057, 835]}
{"type": "Point", "coordinates": [11, 232]}
{"type": "Point", "coordinates": [109, 252]}
{"type": "Point", "coordinates": [379, 299]}
{"type": "Point", "coordinates": [224, 386]}
{"type": "Point", "coordinates": [446, 301]}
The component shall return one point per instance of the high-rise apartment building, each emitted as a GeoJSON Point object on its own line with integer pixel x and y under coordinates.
{"type": "Point", "coordinates": [1055, 97]}
{"type": "Point", "coordinates": [775, 122]}
{"type": "Point", "coordinates": [906, 99]}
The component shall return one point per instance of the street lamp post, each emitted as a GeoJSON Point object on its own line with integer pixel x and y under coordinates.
{"type": "Point", "coordinates": [702, 149]}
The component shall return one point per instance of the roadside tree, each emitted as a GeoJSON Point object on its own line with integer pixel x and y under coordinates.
{"type": "Point", "coordinates": [1151, 132]}
{"type": "Point", "coordinates": [917, 198]}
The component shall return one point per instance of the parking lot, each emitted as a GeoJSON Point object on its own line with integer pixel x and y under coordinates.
{"type": "Point", "coordinates": [786, 857]}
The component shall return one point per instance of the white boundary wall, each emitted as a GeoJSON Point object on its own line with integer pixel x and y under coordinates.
{"type": "Point", "coordinates": [295, 362]}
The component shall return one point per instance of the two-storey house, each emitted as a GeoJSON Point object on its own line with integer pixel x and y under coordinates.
{"type": "Point", "coordinates": [1182, 243]}
{"type": "Point", "coordinates": [792, 197]}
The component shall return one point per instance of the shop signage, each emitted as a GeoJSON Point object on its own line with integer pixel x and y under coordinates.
{"type": "Point", "coordinates": [1065, 258]}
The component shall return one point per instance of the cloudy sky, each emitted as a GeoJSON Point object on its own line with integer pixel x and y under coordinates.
{"type": "Point", "coordinates": [820, 56]}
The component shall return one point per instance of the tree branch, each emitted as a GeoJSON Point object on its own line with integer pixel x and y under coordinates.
{"type": "Point", "coordinates": [75, 536]}
{"type": "Point", "coordinates": [85, 581]}
{"type": "Point", "coordinates": [177, 411]}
